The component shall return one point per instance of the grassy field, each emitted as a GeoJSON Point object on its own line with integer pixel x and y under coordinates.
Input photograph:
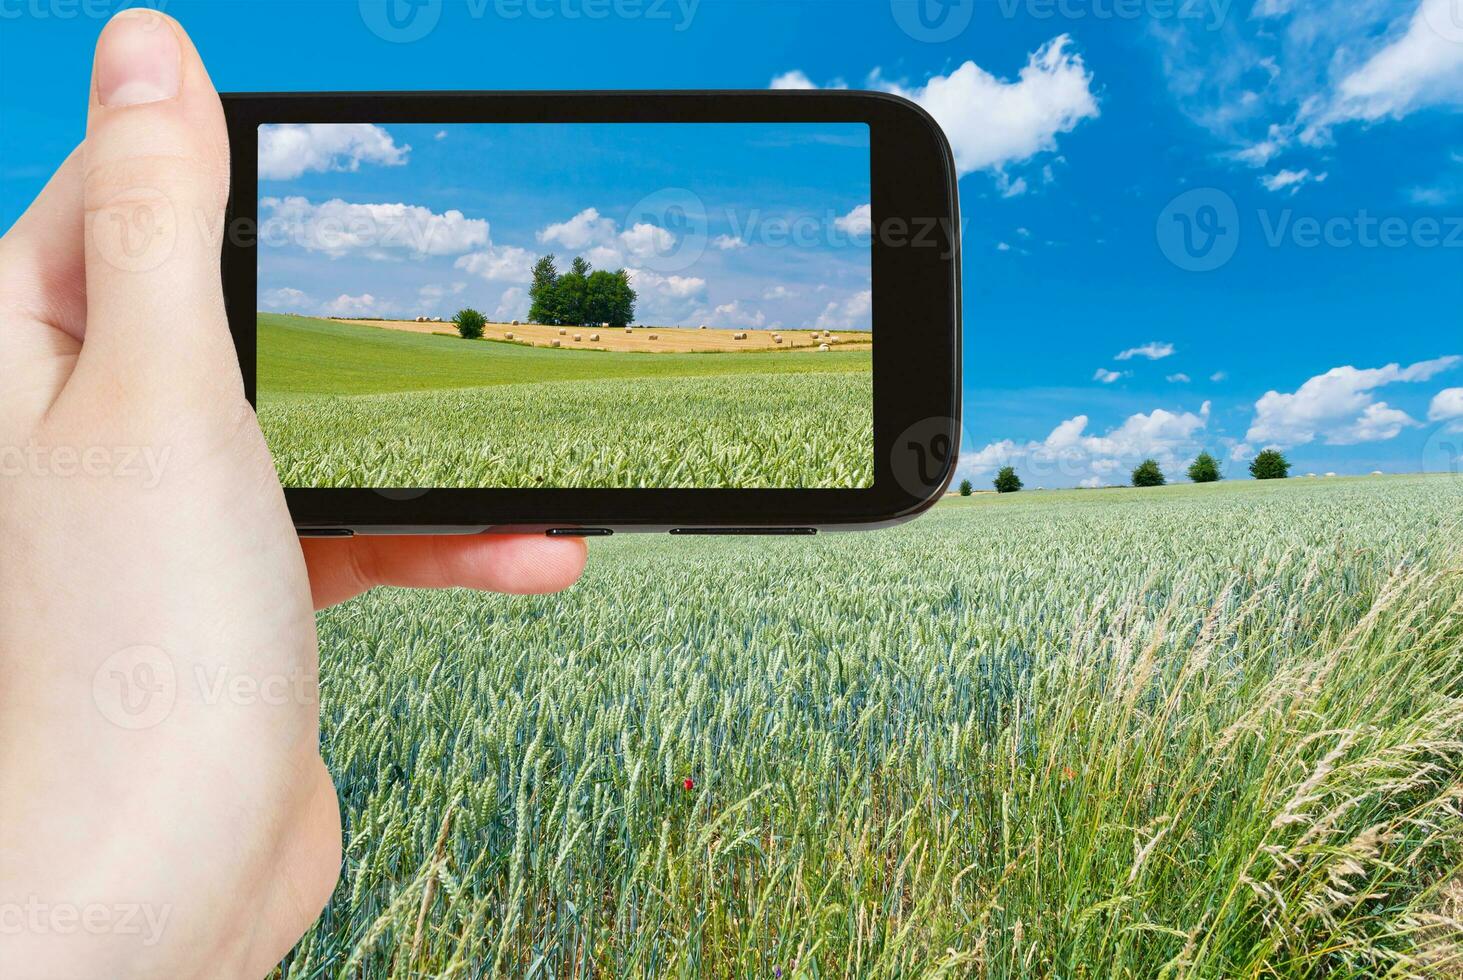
{"type": "Point", "coordinates": [1187, 732]}
{"type": "Point", "coordinates": [646, 338]}
{"type": "Point", "coordinates": [349, 405]}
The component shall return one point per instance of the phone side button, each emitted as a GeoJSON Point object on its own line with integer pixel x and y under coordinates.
{"type": "Point", "coordinates": [579, 532]}
{"type": "Point", "coordinates": [325, 532]}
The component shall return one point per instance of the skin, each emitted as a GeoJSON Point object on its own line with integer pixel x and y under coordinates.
{"type": "Point", "coordinates": [164, 810]}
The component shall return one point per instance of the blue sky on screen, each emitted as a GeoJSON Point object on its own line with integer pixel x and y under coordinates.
{"type": "Point", "coordinates": [735, 226]}
{"type": "Point", "coordinates": [1261, 200]}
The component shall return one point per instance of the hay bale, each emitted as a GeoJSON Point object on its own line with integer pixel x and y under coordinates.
{"type": "Point", "coordinates": [776, 339]}
{"type": "Point", "coordinates": [563, 332]}
{"type": "Point", "coordinates": [1378, 473]}
{"type": "Point", "coordinates": [594, 338]}
{"type": "Point", "coordinates": [557, 343]}
{"type": "Point", "coordinates": [577, 338]}
{"type": "Point", "coordinates": [739, 336]}
{"type": "Point", "coordinates": [515, 323]}
{"type": "Point", "coordinates": [702, 327]}
{"type": "Point", "coordinates": [655, 336]}
{"type": "Point", "coordinates": [824, 347]}
{"type": "Point", "coordinates": [834, 339]}
{"type": "Point", "coordinates": [508, 336]}
{"type": "Point", "coordinates": [629, 330]}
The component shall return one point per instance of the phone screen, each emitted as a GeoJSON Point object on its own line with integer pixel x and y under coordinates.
{"type": "Point", "coordinates": [600, 305]}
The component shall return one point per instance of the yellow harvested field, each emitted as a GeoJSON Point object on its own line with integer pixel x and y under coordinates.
{"type": "Point", "coordinates": [670, 340]}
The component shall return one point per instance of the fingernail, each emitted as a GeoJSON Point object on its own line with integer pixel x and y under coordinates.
{"type": "Point", "coordinates": [138, 60]}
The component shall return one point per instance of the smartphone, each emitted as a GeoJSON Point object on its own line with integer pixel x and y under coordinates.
{"type": "Point", "coordinates": [581, 313]}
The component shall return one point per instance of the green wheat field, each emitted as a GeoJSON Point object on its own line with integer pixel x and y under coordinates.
{"type": "Point", "coordinates": [344, 405]}
{"type": "Point", "coordinates": [1192, 732]}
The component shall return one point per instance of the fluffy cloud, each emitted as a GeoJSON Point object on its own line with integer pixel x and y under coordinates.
{"type": "Point", "coordinates": [853, 313]}
{"type": "Point", "coordinates": [286, 299]}
{"type": "Point", "coordinates": [1339, 407]}
{"type": "Point", "coordinates": [667, 299]}
{"type": "Point", "coordinates": [1282, 77]}
{"type": "Point", "coordinates": [779, 292]}
{"type": "Point", "coordinates": [288, 150]}
{"type": "Point", "coordinates": [361, 306]}
{"type": "Point", "coordinates": [678, 287]}
{"type": "Point", "coordinates": [1070, 454]}
{"type": "Point", "coordinates": [378, 231]}
{"type": "Point", "coordinates": [434, 291]}
{"type": "Point", "coordinates": [1294, 180]}
{"type": "Point", "coordinates": [513, 305]}
{"type": "Point", "coordinates": [1447, 404]}
{"type": "Point", "coordinates": [1153, 350]}
{"type": "Point", "coordinates": [858, 223]}
{"type": "Point", "coordinates": [602, 242]}
{"type": "Point", "coordinates": [496, 263]}
{"type": "Point", "coordinates": [733, 314]}
{"type": "Point", "coordinates": [727, 243]}
{"type": "Point", "coordinates": [1421, 66]}
{"type": "Point", "coordinates": [792, 80]}
{"type": "Point", "coordinates": [1179, 378]}
{"type": "Point", "coordinates": [1108, 377]}
{"type": "Point", "coordinates": [993, 123]}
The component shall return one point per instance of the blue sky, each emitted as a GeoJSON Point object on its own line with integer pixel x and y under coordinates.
{"type": "Point", "coordinates": [735, 226]}
{"type": "Point", "coordinates": [1272, 188]}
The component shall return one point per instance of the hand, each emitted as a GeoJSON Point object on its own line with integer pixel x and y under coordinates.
{"type": "Point", "coordinates": [164, 810]}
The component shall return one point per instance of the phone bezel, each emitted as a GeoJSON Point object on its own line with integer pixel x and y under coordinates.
{"type": "Point", "coordinates": [916, 294]}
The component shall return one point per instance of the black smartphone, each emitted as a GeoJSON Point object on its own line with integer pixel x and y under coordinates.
{"type": "Point", "coordinates": [579, 313]}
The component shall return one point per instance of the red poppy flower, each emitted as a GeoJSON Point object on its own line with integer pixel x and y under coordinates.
{"type": "Point", "coordinates": [688, 784]}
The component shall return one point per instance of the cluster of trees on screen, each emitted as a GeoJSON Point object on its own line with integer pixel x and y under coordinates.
{"type": "Point", "coordinates": [580, 296]}
{"type": "Point", "coordinates": [1270, 464]}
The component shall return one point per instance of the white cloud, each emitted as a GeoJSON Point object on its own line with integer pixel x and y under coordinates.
{"type": "Point", "coordinates": [586, 228]}
{"type": "Point", "coordinates": [513, 305]}
{"type": "Point", "coordinates": [1108, 377]}
{"type": "Point", "coordinates": [1292, 179]}
{"type": "Point", "coordinates": [1447, 404]}
{"type": "Point", "coordinates": [727, 243]}
{"type": "Point", "coordinates": [677, 287]}
{"type": "Point", "coordinates": [792, 80]}
{"type": "Point", "coordinates": [993, 123]}
{"type": "Point", "coordinates": [379, 231]}
{"type": "Point", "coordinates": [1003, 246]}
{"type": "Point", "coordinates": [1219, 376]}
{"type": "Point", "coordinates": [364, 305]}
{"type": "Point", "coordinates": [1280, 79]}
{"type": "Point", "coordinates": [286, 299]}
{"type": "Point", "coordinates": [434, 291]}
{"type": "Point", "coordinates": [506, 263]}
{"type": "Point", "coordinates": [1338, 407]}
{"type": "Point", "coordinates": [441, 134]}
{"type": "Point", "coordinates": [733, 314]}
{"type": "Point", "coordinates": [852, 313]}
{"type": "Point", "coordinates": [858, 223]}
{"type": "Point", "coordinates": [779, 292]}
{"type": "Point", "coordinates": [1068, 453]}
{"type": "Point", "coordinates": [288, 150]}
{"type": "Point", "coordinates": [602, 242]}
{"type": "Point", "coordinates": [1179, 378]}
{"type": "Point", "coordinates": [1420, 67]}
{"type": "Point", "coordinates": [1153, 350]}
